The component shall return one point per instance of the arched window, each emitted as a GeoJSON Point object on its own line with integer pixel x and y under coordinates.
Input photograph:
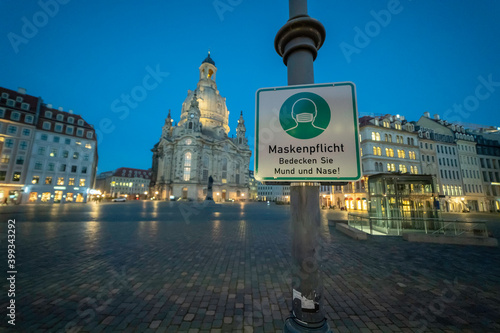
{"type": "Point", "coordinates": [205, 163]}
{"type": "Point", "coordinates": [187, 166]}
{"type": "Point", "coordinates": [190, 125]}
{"type": "Point", "coordinates": [237, 171]}
{"type": "Point", "coordinates": [224, 170]}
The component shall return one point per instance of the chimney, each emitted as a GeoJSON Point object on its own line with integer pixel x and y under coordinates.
{"type": "Point", "coordinates": [21, 90]}
{"type": "Point", "coordinates": [60, 108]}
{"type": "Point", "coordinates": [403, 118]}
{"type": "Point", "coordinates": [427, 114]}
{"type": "Point", "coordinates": [70, 111]}
{"type": "Point", "coordinates": [436, 116]}
{"type": "Point", "coordinates": [49, 106]}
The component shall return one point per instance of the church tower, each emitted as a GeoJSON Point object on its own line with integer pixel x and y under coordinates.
{"type": "Point", "coordinates": [166, 131]}
{"type": "Point", "coordinates": [240, 131]}
{"type": "Point", "coordinates": [213, 111]}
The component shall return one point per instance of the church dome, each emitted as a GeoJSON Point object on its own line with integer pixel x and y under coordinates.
{"type": "Point", "coordinates": [212, 106]}
{"type": "Point", "coordinates": [209, 60]}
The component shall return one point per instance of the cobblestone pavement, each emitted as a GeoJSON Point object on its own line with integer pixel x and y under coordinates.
{"type": "Point", "coordinates": [187, 267]}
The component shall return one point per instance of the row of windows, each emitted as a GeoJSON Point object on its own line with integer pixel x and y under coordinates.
{"type": "Point", "coordinates": [389, 152]}
{"type": "Point", "coordinates": [113, 184]}
{"type": "Point", "coordinates": [69, 129]}
{"type": "Point", "coordinates": [424, 157]}
{"type": "Point", "coordinates": [427, 145]}
{"type": "Point", "coordinates": [12, 103]}
{"type": "Point", "coordinates": [16, 176]}
{"type": "Point", "coordinates": [62, 167]}
{"type": "Point", "coordinates": [493, 176]}
{"type": "Point", "coordinates": [54, 152]}
{"type": "Point", "coordinates": [487, 163]}
{"type": "Point", "coordinates": [388, 138]}
{"type": "Point", "coordinates": [468, 160]}
{"type": "Point", "coordinates": [12, 130]}
{"type": "Point", "coordinates": [9, 143]}
{"type": "Point", "coordinates": [56, 139]}
{"type": "Point", "coordinates": [448, 162]}
{"type": "Point", "coordinates": [452, 190]}
{"type": "Point", "coordinates": [470, 174]}
{"type": "Point", "coordinates": [474, 189]}
{"type": "Point", "coordinates": [450, 174]}
{"type": "Point", "coordinates": [5, 159]}
{"type": "Point", "coordinates": [467, 148]}
{"type": "Point", "coordinates": [392, 167]}
{"type": "Point", "coordinates": [445, 149]}
{"type": "Point", "coordinates": [16, 116]}
{"type": "Point", "coordinates": [59, 181]}
{"type": "Point", "coordinates": [60, 117]}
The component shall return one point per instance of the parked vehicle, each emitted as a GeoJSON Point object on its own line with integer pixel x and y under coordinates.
{"type": "Point", "coordinates": [120, 199]}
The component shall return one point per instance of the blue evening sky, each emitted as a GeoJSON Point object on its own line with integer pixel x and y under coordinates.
{"type": "Point", "coordinates": [436, 56]}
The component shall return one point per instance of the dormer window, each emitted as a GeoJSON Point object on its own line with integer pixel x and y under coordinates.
{"type": "Point", "coordinates": [25, 106]}
{"type": "Point", "coordinates": [60, 117]}
{"type": "Point", "coordinates": [15, 116]}
{"type": "Point", "coordinates": [11, 102]}
{"type": "Point", "coordinates": [71, 120]}
{"type": "Point", "coordinates": [48, 114]}
{"type": "Point", "coordinates": [80, 122]}
{"type": "Point", "coordinates": [5, 95]}
{"type": "Point", "coordinates": [19, 99]}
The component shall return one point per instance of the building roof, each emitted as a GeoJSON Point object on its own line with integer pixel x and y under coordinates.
{"type": "Point", "coordinates": [31, 100]}
{"type": "Point", "coordinates": [209, 60]}
{"type": "Point", "coordinates": [132, 173]}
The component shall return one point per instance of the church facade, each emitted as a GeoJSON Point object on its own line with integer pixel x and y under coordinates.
{"type": "Point", "coordinates": [198, 147]}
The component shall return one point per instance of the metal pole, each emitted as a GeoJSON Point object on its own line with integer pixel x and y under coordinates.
{"type": "Point", "coordinates": [298, 42]}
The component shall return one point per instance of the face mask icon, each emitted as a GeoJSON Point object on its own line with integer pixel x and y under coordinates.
{"type": "Point", "coordinates": [305, 118]}
{"type": "Point", "coordinates": [304, 112]}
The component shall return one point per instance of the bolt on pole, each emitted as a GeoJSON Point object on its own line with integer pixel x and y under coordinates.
{"type": "Point", "coordinates": [298, 42]}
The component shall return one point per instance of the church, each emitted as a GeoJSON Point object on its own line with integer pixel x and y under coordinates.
{"type": "Point", "coordinates": [199, 147]}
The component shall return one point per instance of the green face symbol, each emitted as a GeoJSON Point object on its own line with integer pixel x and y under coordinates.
{"type": "Point", "coordinates": [305, 115]}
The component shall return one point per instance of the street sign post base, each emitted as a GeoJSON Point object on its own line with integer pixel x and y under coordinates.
{"type": "Point", "coordinates": [294, 326]}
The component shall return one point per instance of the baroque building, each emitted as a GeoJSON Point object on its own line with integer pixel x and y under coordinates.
{"type": "Point", "coordinates": [198, 148]}
{"type": "Point", "coordinates": [47, 155]}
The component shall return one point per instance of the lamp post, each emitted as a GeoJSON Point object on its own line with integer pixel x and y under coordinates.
{"type": "Point", "coordinates": [298, 42]}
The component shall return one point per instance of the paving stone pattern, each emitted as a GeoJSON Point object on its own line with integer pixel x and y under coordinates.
{"type": "Point", "coordinates": [188, 267]}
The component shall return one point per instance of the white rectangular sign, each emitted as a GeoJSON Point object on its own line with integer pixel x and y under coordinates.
{"type": "Point", "coordinates": [307, 133]}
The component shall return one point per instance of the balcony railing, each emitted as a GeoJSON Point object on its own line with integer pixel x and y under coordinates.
{"type": "Point", "coordinates": [396, 226]}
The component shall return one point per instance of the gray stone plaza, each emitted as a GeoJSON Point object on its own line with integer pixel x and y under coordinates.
{"type": "Point", "coordinates": [150, 266]}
